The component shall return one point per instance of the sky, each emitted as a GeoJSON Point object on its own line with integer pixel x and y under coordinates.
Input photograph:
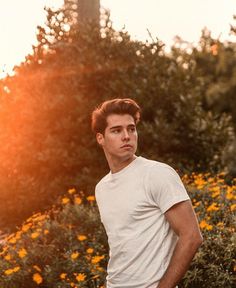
{"type": "Point", "coordinates": [163, 18]}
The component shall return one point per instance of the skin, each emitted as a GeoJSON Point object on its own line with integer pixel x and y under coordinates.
{"type": "Point", "coordinates": [119, 143]}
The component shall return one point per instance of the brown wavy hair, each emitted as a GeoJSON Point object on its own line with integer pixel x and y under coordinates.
{"type": "Point", "coordinates": [119, 106]}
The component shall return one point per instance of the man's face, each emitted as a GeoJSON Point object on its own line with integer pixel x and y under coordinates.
{"type": "Point", "coordinates": [120, 137]}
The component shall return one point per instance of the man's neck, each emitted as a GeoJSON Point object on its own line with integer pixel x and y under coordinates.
{"type": "Point", "coordinates": [117, 165]}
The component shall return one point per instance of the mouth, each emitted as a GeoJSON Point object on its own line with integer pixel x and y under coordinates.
{"type": "Point", "coordinates": [126, 146]}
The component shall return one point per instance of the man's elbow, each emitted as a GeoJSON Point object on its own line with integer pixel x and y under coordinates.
{"type": "Point", "coordinates": [196, 240]}
{"type": "Point", "coordinates": [199, 240]}
{"type": "Point", "coordinates": [193, 239]}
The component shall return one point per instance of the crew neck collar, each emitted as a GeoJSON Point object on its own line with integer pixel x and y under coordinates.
{"type": "Point", "coordinates": [126, 168]}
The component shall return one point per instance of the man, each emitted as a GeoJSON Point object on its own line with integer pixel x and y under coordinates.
{"type": "Point", "coordinates": [152, 230]}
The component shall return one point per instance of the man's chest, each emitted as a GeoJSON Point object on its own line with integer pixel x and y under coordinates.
{"type": "Point", "coordinates": [121, 206]}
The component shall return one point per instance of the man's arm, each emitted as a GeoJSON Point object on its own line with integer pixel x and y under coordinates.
{"type": "Point", "coordinates": [183, 221]}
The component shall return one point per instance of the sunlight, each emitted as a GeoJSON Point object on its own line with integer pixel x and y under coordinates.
{"type": "Point", "coordinates": [164, 20]}
{"type": "Point", "coordinates": [18, 26]}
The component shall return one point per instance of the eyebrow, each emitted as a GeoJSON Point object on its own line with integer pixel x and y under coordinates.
{"type": "Point", "coordinates": [120, 126]}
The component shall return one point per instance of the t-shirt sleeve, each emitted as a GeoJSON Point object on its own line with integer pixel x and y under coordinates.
{"type": "Point", "coordinates": [165, 188]}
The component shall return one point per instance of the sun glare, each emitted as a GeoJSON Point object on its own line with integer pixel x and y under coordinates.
{"type": "Point", "coordinates": [18, 26]}
{"type": "Point", "coordinates": [164, 20]}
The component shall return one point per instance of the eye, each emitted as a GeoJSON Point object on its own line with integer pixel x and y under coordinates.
{"type": "Point", "coordinates": [116, 131]}
{"type": "Point", "coordinates": [132, 129]}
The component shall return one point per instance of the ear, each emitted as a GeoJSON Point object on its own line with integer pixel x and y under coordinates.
{"type": "Point", "coordinates": [100, 138]}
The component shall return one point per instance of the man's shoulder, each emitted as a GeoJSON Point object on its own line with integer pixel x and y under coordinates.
{"type": "Point", "coordinates": [154, 164]}
{"type": "Point", "coordinates": [158, 171]}
{"type": "Point", "coordinates": [103, 180]}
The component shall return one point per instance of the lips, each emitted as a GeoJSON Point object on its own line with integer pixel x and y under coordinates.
{"type": "Point", "coordinates": [126, 146]}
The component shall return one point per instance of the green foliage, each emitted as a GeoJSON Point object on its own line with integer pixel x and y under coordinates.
{"type": "Point", "coordinates": [46, 142]}
{"type": "Point", "coordinates": [214, 203]}
{"type": "Point", "coordinates": [58, 248]}
{"type": "Point", "coordinates": [67, 244]}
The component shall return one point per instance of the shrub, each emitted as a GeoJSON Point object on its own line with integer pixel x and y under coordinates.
{"type": "Point", "coordinates": [214, 202]}
{"type": "Point", "coordinates": [60, 248]}
{"type": "Point", "coordinates": [67, 246]}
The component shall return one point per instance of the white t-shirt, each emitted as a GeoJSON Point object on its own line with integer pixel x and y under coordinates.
{"type": "Point", "coordinates": [132, 203]}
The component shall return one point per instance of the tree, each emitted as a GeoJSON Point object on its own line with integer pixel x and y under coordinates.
{"type": "Point", "coordinates": [47, 145]}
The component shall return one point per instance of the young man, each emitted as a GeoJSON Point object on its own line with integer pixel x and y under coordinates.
{"type": "Point", "coordinates": [152, 230]}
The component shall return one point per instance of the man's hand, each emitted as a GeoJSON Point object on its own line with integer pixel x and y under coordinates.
{"type": "Point", "coordinates": [183, 221]}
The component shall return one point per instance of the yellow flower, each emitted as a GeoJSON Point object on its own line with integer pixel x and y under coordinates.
{"type": "Point", "coordinates": [26, 227]}
{"type": "Point", "coordinates": [89, 250]}
{"type": "Point", "coordinates": [204, 225]}
{"type": "Point", "coordinates": [46, 231]}
{"type": "Point", "coordinates": [63, 275]}
{"type": "Point", "coordinates": [233, 207]}
{"type": "Point", "coordinates": [7, 257]}
{"type": "Point", "coordinates": [65, 200]}
{"type": "Point", "coordinates": [72, 191]}
{"type": "Point", "coordinates": [80, 277]}
{"type": "Point", "coordinates": [37, 278]}
{"type": "Point", "coordinates": [78, 200]}
{"type": "Point", "coordinates": [213, 207]}
{"type": "Point", "coordinates": [34, 235]}
{"type": "Point", "coordinates": [97, 259]}
{"type": "Point", "coordinates": [8, 271]}
{"type": "Point", "coordinates": [91, 198]}
{"type": "Point", "coordinates": [199, 182]}
{"type": "Point", "coordinates": [40, 218]}
{"type": "Point", "coordinates": [37, 268]}
{"type": "Point", "coordinates": [12, 240]}
{"type": "Point", "coordinates": [11, 271]}
{"type": "Point", "coordinates": [17, 268]}
{"type": "Point", "coordinates": [81, 237]}
{"type": "Point", "coordinates": [74, 255]}
{"type": "Point", "coordinates": [22, 253]}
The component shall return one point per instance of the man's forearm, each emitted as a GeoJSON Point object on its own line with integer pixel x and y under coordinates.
{"type": "Point", "coordinates": [183, 254]}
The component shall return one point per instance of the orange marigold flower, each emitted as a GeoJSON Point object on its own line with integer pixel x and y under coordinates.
{"type": "Point", "coordinates": [80, 277]}
{"type": "Point", "coordinates": [34, 235]}
{"type": "Point", "coordinates": [26, 227]}
{"type": "Point", "coordinates": [11, 271]}
{"type": "Point", "coordinates": [12, 240]}
{"type": "Point", "coordinates": [89, 250]}
{"type": "Point", "coordinates": [97, 259]}
{"type": "Point", "coordinates": [22, 253]}
{"type": "Point", "coordinates": [37, 278]}
{"type": "Point", "coordinates": [78, 200]}
{"type": "Point", "coordinates": [81, 237]}
{"type": "Point", "coordinates": [91, 198]}
{"type": "Point", "coordinates": [213, 207]}
{"type": "Point", "coordinates": [74, 255]}
{"type": "Point", "coordinates": [65, 200]}
{"type": "Point", "coordinates": [204, 225]}
{"type": "Point", "coordinates": [7, 257]}
{"type": "Point", "coordinates": [72, 191]}
{"type": "Point", "coordinates": [17, 268]}
{"type": "Point", "coordinates": [233, 207]}
{"type": "Point", "coordinates": [63, 275]}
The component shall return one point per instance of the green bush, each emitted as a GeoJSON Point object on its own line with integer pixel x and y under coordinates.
{"type": "Point", "coordinates": [46, 142]}
{"type": "Point", "coordinates": [67, 246]}
{"type": "Point", "coordinates": [64, 247]}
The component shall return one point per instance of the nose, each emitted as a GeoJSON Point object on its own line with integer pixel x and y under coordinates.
{"type": "Point", "coordinates": [125, 135]}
